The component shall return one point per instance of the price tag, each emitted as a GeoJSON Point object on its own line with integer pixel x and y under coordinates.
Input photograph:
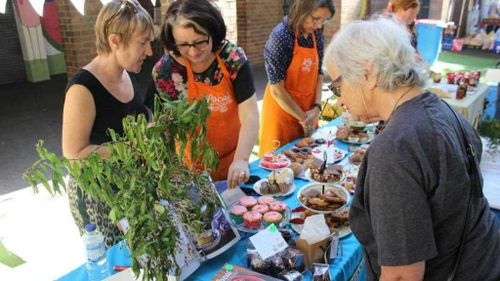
{"type": "Point", "coordinates": [268, 242]}
{"type": "Point", "coordinates": [334, 245]}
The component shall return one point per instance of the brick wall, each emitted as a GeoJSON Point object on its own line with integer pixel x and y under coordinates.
{"type": "Point", "coordinates": [78, 33]}
{"type": "Point", "coordinates": [334, 25]}
{"type": "Point", "coordinates": [436, 9]}
{"type": "Point", "coordinates": [255, 21]}
{"type": "Point", "coordinates": [228, 10]}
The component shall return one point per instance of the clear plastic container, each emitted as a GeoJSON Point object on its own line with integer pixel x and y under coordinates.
{"type": "Point", "coordinates": [97, 265]}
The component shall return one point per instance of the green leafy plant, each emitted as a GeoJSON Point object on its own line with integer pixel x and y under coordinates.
{"type": "Point", "coordinates": [145, 167]}
{"type": "Point", "coordinates": [490, 128]}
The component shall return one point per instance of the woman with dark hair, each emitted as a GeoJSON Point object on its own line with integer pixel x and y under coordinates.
{"type": "Point", "coordinates": [201, 63]}
{"type": "Point", "coordinates": [292, 56]}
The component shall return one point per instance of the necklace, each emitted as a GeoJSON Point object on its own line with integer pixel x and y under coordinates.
{"type": "Point", "coordinates": [394, 108]}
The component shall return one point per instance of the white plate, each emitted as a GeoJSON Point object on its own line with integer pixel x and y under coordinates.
{"type": "Point", "coordinates": [332, 152]}
{"type": "Point", "coordinates": [325, 133]}
{"type": "Point", "coordinates": [319, 186]}
{"type": "Point", "coordinates": [307, 175]}
{"type": "Point", "coordinates": [343, 230]}
{"type": "Point", "coordinates": [269, 169]}
{"type": "Point", "coordinates": [370, 138]}
{"type": "Point", "coordinates": [256, 187]}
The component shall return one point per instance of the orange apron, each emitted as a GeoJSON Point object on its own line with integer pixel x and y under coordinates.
{"type": "Point", "coordinates": [277, 126]}
{"type": "Point", "coordinates": [223, 124]}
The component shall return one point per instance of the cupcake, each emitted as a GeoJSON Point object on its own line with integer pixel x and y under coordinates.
{"type": "Point", "coordinates": [278, 206]}
{"type": "Point", "coordinates": [248, 201]}
{"type": "Point", "coordinates": [237, 212]}
{"type": "Point", "coordinates": [268, 157]}
{"type": "Point", "coordinates": [265, 200]}
{"type": "Point", "coordinates": [252, 219]}
{"type": "Point", "coordinates": [272, 217]}
{"type": "Point", "coordinates": [261, 208]}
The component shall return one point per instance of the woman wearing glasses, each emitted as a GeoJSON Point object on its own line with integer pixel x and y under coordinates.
{"type": "Point", "coordinates": [201, 63]}
{"type": "Point", "coordinates": [293, 55]}
{"type": "Point", "coordinates": [418, 209]}
{"type": "Point", "coordinates": [101, 94]}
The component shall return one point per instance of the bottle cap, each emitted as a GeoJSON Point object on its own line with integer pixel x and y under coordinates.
{"type": "Point", "coordinates": [90, 227]}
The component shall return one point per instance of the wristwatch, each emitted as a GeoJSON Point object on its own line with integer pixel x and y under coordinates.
{"type": "Point", "coordinates": [318, 106]}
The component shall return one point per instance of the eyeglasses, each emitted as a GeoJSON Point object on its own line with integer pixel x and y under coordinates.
{"type": "Point", "coordinates": [199, 45]}
{"type": "Point", "coordinates": [335, 86]}
{"type": "Point", "coordinates": [127, 5]}
{"type": "Point", "coordinates": [319, 20]}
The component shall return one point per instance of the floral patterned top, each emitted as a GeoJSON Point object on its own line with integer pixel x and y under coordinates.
{"type": "Point", "coordinates": [170, 77]}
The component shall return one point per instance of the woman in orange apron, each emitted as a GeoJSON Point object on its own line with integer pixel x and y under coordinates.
{"type": "Point", "coordinates": [292, 54]}
{"type": "Point", "coordinates": [201, 63]}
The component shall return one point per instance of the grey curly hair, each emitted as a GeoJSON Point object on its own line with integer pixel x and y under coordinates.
{"type": "Point", "coordinates": [380, 41]}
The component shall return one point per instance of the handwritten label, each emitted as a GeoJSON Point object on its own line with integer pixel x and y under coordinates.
{"type": "Point", "coordinates": [268, 242]}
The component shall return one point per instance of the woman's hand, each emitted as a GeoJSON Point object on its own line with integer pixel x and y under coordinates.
{"type": "Point", "coordinates": [238, 173]}
{"type": "Point", "coordinates": [310, 122]}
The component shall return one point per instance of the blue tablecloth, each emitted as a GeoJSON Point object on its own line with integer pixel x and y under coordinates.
{"type": "Point", "coordinates": [342, 268]}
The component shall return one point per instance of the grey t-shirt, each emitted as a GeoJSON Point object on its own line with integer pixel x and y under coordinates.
{"type": "Point", "coordinates": [412, 195]}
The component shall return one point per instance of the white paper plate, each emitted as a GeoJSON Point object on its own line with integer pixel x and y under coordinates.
{"type": "Point", "coordinates": [256, 187]}
{"type": "Point", "coordinates": [370, 138]}
{"type": "Point", "coordinates": [319, 186]}
{"type": "Point", "coordinates": [343, 230]}
{"type": "Point", "coordinates": [333, 154]}
{"type": "Point", "coordinates": [270, 169]}
{"type": "Point", "coordinates": [307, 175]}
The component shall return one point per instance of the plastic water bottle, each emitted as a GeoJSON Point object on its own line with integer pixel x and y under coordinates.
{"type": "Point", "coordinates": [97, 265]}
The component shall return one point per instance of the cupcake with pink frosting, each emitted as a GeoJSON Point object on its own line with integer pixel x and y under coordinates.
{"type": "Point", "coordinates": [272, 217]}
{"type": "Point", "coordinates": [252, 219]}
{"type": "Point", "coordinates": [261, 208]}
{"type": "Point", "coordinates": [237, 212]}
{"type": "Point", "coordinates": [278, 206]}
{"type": "Point", "coordinates": [248, 201]}
{"type": "Point", "coordinates": [265, 200]}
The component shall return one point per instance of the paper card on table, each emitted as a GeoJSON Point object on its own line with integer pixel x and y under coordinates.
{"type": "Point", "coordinates": [268, 242]}
{"type": "Point", "coordinates": [315, 229]}
{"type": "Point", "coordinates": [231, 196]}
{"type": "Point", "coordinates": [334, 245]}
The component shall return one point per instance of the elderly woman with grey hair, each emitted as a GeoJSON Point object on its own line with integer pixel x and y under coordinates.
{"type": "Point", "coordinates": [418, 209]}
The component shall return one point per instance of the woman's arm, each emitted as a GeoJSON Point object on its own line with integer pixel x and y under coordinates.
{"type": "Point", "coordinates": [78, 118]}
{"type": "Point", "coordinates": [248, 114]}
{"type": "Point", "coordinates": [412, 272]}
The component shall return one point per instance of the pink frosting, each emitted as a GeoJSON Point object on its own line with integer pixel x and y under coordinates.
{"type": "Point", "coordinates": [272, 217]}
{"type": "Point", "coordinates": [278, 206]}
{"type": "Point", "coordinates": [252, 216]}
{"type": "Point", "coordinates": [260, 208]}
{"type": "Point", "coordinates": [238, 210]}
{"type": "Point", "coordinates": [265, 199]}
{"type": "Point", "coordinates": [248, 201]}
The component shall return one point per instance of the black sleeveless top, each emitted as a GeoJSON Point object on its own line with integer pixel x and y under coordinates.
{"type": "Point", "coordinates": [109, 110]}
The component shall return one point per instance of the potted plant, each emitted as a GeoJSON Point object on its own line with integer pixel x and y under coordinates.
{"type": "Point", "coordinates": [145, 182]}
{"type": "Point", "coordinates": [490, 128]}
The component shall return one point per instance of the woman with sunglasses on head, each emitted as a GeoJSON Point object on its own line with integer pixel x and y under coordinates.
{"type": "Point", "coordinates": [200, 63]}
{"type": "Point", "coordinates": [101, 94]}
{"type": "Point", "coordinates": [293, 55]}
{"type": "Point", "coordinates": [418, 207]}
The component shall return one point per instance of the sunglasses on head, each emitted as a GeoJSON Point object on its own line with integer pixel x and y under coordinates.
{"type": "Point", "coordinates": [335, 86]}
{"type": "Point", "coordinates": [127, 5]}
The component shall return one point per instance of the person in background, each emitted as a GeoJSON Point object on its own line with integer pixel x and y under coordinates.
{"type": "Point", "coordinates": [100, 95]}
{"type": "Point", "coordinates": [293, 55]}
{"type": "Point", "coordinates": [201, 63]}
{"type": "Point", "coordinates": [409, 210]}
{"type": "Point", "coordinates": [406, 11]}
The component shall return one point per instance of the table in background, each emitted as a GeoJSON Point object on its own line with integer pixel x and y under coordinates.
{"type": "Point", "coordinates": [342, 268]}
{"type": "Point", "coordinates": [472, 105]}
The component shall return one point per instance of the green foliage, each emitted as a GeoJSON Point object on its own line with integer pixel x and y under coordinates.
{"type": "Point", "coordinates": [144, 168]}
{"type": "Point", "coordinates": [490, 128]}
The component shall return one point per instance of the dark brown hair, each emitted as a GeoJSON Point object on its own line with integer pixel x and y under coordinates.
{"type": "Point", "coordinates": [300, 9]}
{"type": "Point", "coordinates": [201, 15]}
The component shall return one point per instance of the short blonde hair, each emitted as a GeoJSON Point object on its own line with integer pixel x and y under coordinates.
{"type": "Point", "coordinates": [121, 17]}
